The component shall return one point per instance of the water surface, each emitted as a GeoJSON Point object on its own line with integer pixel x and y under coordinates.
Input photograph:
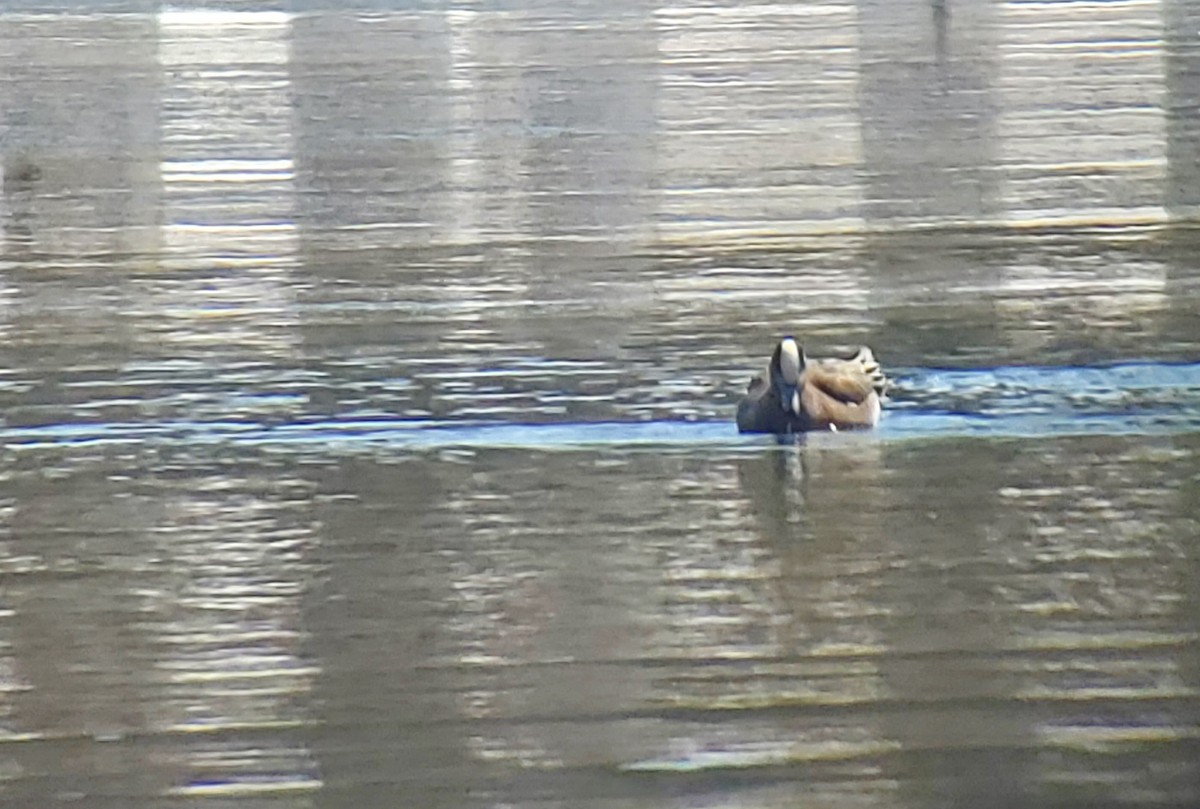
{"type": "Point", "coordinates": [367, 379]}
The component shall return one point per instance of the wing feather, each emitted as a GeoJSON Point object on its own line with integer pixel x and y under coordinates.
{"type": "Point", "coordinates": [845, 380]}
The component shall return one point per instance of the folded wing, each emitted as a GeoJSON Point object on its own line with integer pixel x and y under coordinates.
{"type": "Point", "coordinates": [850, 381]}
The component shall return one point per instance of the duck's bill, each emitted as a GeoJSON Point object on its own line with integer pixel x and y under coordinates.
{"type": "Point", "coordinates": [789, 399]}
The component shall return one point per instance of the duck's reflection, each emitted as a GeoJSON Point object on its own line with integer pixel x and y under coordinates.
{"type": "Point", "coordinates": [812, 485]}
{"type": "Point", "coordinates": [885, 605]}
{"type": "Point", "coordinates": [821, 511]}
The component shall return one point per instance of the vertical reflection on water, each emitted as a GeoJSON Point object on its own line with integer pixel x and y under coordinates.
{"type": "Point", "coordinates": [228, 201]}
{"type": "Point", "coordinates": [392, 694]}
{"type": "Point", "coordinates": [1082, 97]}
{"type": "Point", "coordinates": [757, 90]}
{"type": "Point", "coordinates": [226, 134]}
{"type": "Point", "coordinates": [240, 551]}
{"type": "Point", "coordinates": [1054, 586]}
{"type": "Point", "coordinates": [170, 613]}
{"type": "Point", "coordinates": [800, 519]}
{"type": "Point", "coordinates": [78, 174]}
{"type": "Point", "coordinates": [228, 194]}
{"type": "Point", "coordinates": [542, 593]}
{"type": "Point", "coordinates": [1181, 43]}
{"type": "Point", "coordinates": [373, 160]}
{"type": "Point", "coordinates": [928, 112]}
{"type": "Point", "coordinates": [948, 615]}
{"type": "Point", "coordinates": [78, 658]}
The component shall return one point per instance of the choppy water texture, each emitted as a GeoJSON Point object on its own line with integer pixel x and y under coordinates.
{"type": "Point", "coordinates": [366, 391]}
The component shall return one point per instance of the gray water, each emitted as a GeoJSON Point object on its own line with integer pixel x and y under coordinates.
{"type": "Point", "coordinates": [367, 379]}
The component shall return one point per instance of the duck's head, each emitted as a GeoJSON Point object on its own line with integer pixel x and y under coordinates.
{"type": "Point", "coordinates": [787, 365]}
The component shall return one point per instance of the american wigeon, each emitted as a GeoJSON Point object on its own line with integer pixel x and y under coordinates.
{"type": "Point", "coordinates": [798, 393]}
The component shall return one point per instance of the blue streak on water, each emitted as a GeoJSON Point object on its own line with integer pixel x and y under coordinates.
{"type": "Point", "coordinates": [1016, 402]}
{"type": "Point", "coordinates": [1026, 389]}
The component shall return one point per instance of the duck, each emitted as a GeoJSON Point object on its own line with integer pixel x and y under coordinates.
{"type": "Point", "coordinates": [800, 394]}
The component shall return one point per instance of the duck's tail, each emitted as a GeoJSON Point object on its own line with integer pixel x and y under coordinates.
{"type": "Point", "coordinates": [871, 368]}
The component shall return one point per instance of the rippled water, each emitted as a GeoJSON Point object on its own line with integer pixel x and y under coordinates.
{"type": "Point", "coordinates": [367, 380]}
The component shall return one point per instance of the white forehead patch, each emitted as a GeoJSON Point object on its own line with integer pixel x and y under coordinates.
{"type": "Point", "coordinates": [789, 361]}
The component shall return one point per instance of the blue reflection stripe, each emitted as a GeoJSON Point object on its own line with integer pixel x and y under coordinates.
{"type": "Point", "coordinates": [1131, 399]}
